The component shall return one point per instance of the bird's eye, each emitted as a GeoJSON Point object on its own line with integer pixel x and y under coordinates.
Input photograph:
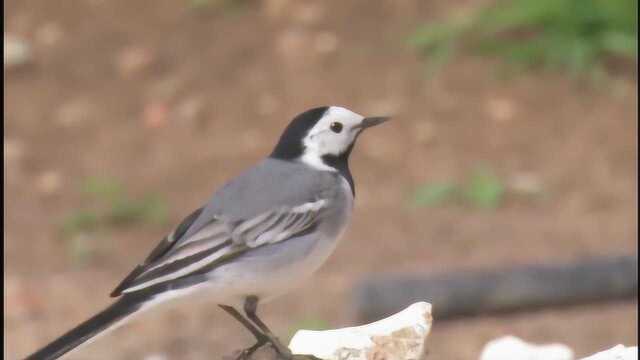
{"type": "Point", "coordinates": [336, 127]}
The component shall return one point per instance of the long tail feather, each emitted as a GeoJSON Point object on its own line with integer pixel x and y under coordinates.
{"type": "Point", "coordinates": [106, 319]}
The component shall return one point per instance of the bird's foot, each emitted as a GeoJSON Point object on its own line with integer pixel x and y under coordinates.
{"type": "Point", "coordinates": [246, 353]}
{"type": "Point", "coordinates": [283, 351]}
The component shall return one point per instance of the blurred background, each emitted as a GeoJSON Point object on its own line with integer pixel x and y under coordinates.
{"type": "Point", "coordinates": [514, 142]}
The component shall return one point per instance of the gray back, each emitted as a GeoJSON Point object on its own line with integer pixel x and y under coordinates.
{"type": "Point", "coordinates": [269, 184]}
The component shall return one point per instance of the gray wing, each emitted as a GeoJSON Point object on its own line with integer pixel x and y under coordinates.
{"type": "Point", "coordinates": [218, 241]}
{"type": "Point", "coordinates": [159, 251]}
{"type": "Point", "coordinates": [267, 204]}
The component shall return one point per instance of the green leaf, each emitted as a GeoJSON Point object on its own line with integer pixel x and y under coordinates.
{"type": "Point", "coordinates": [620, 43]}
{"type": "Point", "coordinates": [571, 35]}
{"type": "Point", "coordinates": [103, 188]}
{"type": "Point", "coordinates": [484, 190]}
{"type": "Point", "coordinates": [156, 210]}
{"type": "Point", "coordinates": [80, 221]}
{"type": "Point", "coordinates": [124, 212]}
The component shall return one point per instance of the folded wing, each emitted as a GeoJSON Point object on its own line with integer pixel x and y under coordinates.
{"type": "Point", "coordinates": [218, 241]}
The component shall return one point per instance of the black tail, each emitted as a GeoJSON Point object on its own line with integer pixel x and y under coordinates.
{"type": "Point", "coordinates": [119, 310]}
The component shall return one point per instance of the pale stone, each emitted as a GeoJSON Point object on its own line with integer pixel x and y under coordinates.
{"type": "Point", "coordinates": [49, 182]}
{"type": "Point", "coordinates": [618, 352]}
{"type": "Point", "coordinates": [398, 337]}
{"type": "Point", "coordinates": [525, 183]}
{"type": "Point", "coordinates": [134, 59]}
{"type": "Point", "coordinates": [13, 150]}
{"type": "Point", "coordinates": [501, 110]}
{"type": "Point", "coordinates": [74, 112]}
{"type": "Point", "coordinates": [16, 51]}
{"type": "Point", "coordinates": [326, 42]}
{"type": "Point", "coordinates": [511, 347]}
{"type": "Point", "coordinates": [156, 357]}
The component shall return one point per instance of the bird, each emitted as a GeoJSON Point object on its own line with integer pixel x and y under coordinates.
{"type": "Point", "coordinates": [260, 235]}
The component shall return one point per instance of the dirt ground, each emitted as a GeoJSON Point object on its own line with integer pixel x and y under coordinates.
{"type": "Point", "coordinates": [175, 100]}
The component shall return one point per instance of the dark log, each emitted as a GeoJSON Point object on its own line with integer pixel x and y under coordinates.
{"type": "Point", "coordinates": [527, 287]}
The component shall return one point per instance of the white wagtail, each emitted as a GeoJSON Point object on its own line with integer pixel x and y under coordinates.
{"type": "Point", "coordinates": [258, 236]}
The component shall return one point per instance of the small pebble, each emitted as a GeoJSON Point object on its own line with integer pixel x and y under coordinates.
{"type": "Point", "coordinates": [326, 42]}
{"type": "Point", "coordinates": [155, 115]}
{"type": "Point", "coordinates": [133, 60]}
{"type": "Point", "coordinates": [13, 150]}
{"type": "Point", "coordinates": [190, 108]}
{"type": "Point", "coordinates": [49, 182]}
{"type": "Point", "coordinates": [16, 51]}
{"type": "Point", "coordinates": [156, 357]}
{"type": "Point", "coordinates": [501, 110]}
{"type": "Point", "coordinates": [73, 112]}
{"type": "Point", "coordinates": [525, 183]}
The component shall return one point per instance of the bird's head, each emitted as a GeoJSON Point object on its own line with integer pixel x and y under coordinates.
{"type": "Point", "coordinates": [323, 137]}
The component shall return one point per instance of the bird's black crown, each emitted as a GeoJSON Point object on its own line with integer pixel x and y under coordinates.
{"type": "Point", "coordinates": [290, 145]}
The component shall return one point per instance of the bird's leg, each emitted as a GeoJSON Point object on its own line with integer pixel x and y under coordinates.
{"type": "Point", "coordinates": [261, 338]}
{"type": "Point", "coordinates": [246, 353]}
{"type": "Point", "coordinates": [250, 307]}
{"type": "Point", "coordinates": [247, 324]}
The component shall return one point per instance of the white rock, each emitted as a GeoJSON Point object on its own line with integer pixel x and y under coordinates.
{"type": "Point", "coordinates": [398, 337]}
{"type": "Point", "coordinates": [525, 183]}
{"type": "Point", "coordinates": [134, 59]}
{"type": "Point", "coordinates": [501, 110]}
{"type": "Point", "coordinates": [511, 347]}
{"type": "Point", "coordinates": [618, 352]}
{"type": "Point", "coordinates": [49, 182]}
{"type": "Point", "coordinates": [156, 357]}
{"type": "Point", "coordinates": [74, 112]}
{"type": "Point", "coordinates": [13, 150]}
{"type": "Point", "coordinates": [16, 51]}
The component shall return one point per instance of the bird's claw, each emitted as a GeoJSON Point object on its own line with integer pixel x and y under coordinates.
{"type": "Point", "coordinates": [246, 353]}
{"type": "Point", "coordinates": [277, 348]}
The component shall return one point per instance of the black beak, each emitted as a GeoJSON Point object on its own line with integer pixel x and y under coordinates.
{"type": "Point", "coordinates": [373, 121]}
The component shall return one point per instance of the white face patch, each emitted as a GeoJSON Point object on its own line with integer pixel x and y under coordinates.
{"type": "Point", "coordinates": [322, 140]}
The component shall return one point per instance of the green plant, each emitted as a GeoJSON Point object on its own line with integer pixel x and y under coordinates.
{"type": "Point", "coordinates": [435, 194]}
{"type": "Point", "coordinates": [125, 211]}
{"type": "Point", "coordinates": [103, 188]}
{"type": "Point", "coordinates": [79, 221]}
{"type": "Point", "coordinates": [482, 189]}
{"type": "Point", "coordinates": [110, 207]}
{"type": "Point", "coordinates": [225, 5]}
{"type": "Point", "coordinates": [577, 35]}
